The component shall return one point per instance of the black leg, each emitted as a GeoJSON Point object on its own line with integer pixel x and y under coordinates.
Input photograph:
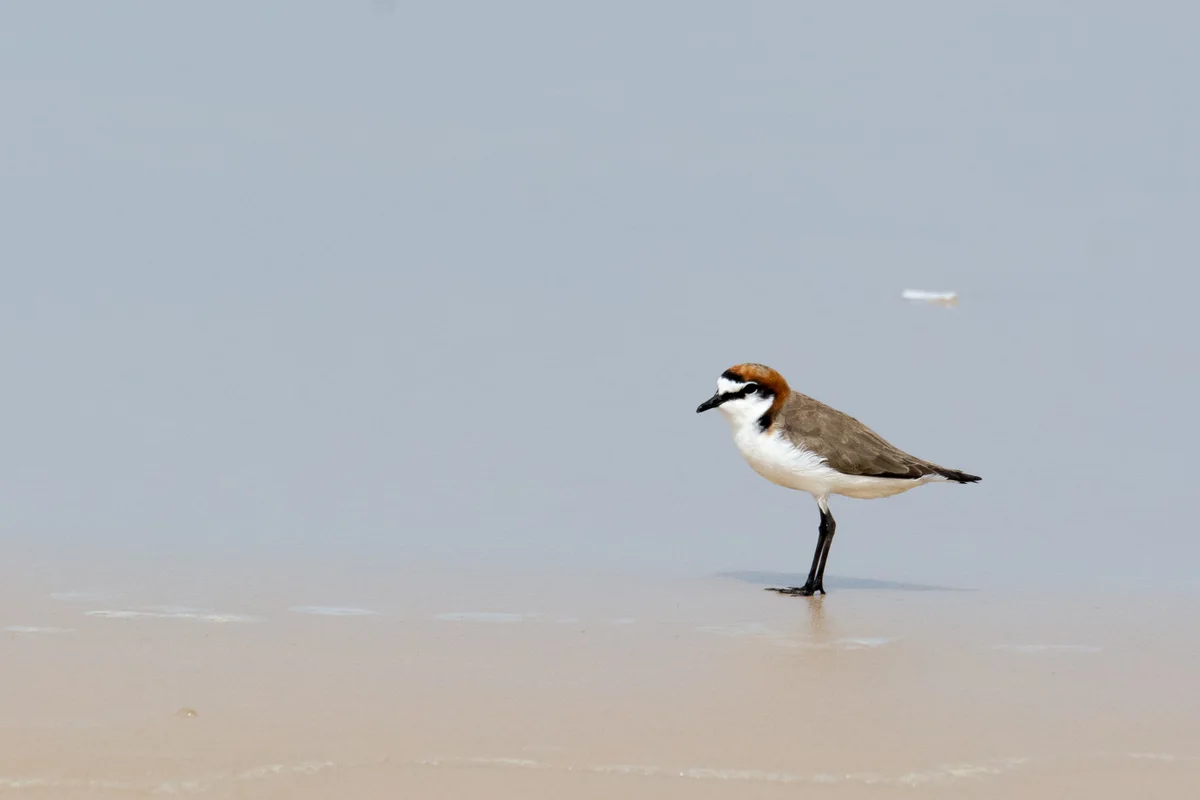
{"type": "Point", "coordinates": [815, 568]}
{"type": "Point", "coordinates": [830, 526]}
{"type": "Point", "coordinates": [817, 571]}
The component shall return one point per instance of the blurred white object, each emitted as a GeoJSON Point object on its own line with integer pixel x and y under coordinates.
{"type": "Point", "coordinates": [938, 298]}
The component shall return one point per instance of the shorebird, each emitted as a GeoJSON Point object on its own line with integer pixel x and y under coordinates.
{"type": "Point", "coordinates": [800, 443]}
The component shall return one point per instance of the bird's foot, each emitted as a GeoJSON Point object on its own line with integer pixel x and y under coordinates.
{"type": "Point", "coordinates": [807, 590]}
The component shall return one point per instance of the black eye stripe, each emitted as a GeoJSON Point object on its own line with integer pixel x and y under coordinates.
{"type": "Point", "coordinates": [745, 391]}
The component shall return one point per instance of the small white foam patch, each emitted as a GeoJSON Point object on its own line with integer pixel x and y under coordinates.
{"type": "Point", "coordinates": [763, 631]}
{"type": "Point", "coordinates": [484, 616]}
{"type": "Point", "coordinates": [864, 641]}
{"type": "Point", "coordinates": [333, 611]}
{"type": "Point", "coordinates": [739, 629]}
{"type": "Point", "coordinates": [1029, 649]}
{"type": "Point", "coordinates": [512, 617]}
{"type": "Point", "coordinates": [940, 774]}
{"type": "Point", "coordinates": [36, 629]}
{"type": "Point", "coordinates": [951, 772]}
{"type": "Point", "coordinates": [1169, 758]}
{"type": "Point", "coordinates": [849, 643]}
{"type": "Point", "coordinates": [63, 783]}
{"type": "Point", "coordinates": [180, 786]}
{"type": "Point", "coordinates": [173, 612]}
{"type": "Point", "coordinates": [273, 770]}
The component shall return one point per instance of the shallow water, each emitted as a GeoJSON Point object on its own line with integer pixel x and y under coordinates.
{"type": "Point", "coordinates": [595, 685]}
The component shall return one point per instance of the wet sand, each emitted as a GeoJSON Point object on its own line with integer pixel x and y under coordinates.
{"type": "Point", "coordinates": [439, 685]}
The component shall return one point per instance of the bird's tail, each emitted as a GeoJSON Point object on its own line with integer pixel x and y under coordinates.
{"type": "Point", "coordinates": [955, 475]}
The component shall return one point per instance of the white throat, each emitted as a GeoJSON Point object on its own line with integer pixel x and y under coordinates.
{"type": "Point", "coordinates": [746, 411]}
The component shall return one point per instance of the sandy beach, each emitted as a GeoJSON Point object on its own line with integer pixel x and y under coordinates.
{"type": "Point", "coordinates": [597, 686]}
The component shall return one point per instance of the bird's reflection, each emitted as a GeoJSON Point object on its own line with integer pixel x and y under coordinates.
{"type": "Point", "coordinates": [818, 624]}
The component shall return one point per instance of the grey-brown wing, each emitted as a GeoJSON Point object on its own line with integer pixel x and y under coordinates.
{"type": "Point", "coordinates": [846, 444]}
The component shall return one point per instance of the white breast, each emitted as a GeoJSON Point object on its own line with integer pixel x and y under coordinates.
{"type": "Point", "coordinates": [781, 462]}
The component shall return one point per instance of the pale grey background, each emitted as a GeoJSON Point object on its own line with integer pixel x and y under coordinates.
{"type": "Point", "coordinates": [316, 281]}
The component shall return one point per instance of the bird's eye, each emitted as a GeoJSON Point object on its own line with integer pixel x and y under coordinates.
{"type": "Point", "coordinates": [751, 388]}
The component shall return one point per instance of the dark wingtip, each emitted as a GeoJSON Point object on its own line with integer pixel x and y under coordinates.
{"type": "Point", "coordinates": [960, 477]}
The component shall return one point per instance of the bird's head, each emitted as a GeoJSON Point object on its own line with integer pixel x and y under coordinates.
{"type": "Point", "coordinates": [747, 393]}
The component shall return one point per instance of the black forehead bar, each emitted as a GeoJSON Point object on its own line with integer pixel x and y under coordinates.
{"type": "Point", "coordinates": [730, 375]}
